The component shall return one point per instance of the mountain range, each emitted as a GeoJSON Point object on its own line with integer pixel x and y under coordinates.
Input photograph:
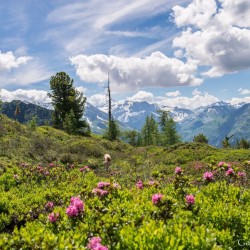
{"type": "Point", "coordinates": [215, 121]}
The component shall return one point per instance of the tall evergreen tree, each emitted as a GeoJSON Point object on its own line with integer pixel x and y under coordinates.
{"type": "Point", "coordinates": [200, 138]}
{"type": "Point", "coordinates": [131, 136]}
{"type": "Point", "coordinates": [149, 132]}
{"type": "Point", "coordinates": [225, 142]}
{"type": "Point", "coordinates": [169, 135]}
{"type": "Point", "coordinates": [68, 104]}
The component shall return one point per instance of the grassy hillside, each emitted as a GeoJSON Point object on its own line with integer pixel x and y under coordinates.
{"type": "Point", "coordinates": [55, 194]}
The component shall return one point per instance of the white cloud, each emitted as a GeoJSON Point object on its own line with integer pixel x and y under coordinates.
{"type": "Point", "coordinates": [189, 102]}
{"type": "Point", "coordinates": [244, 91]}
{"type": "Point", "coordinates": [32, 95]}
{"type": "Point", "coordinates": [173, 94]}
{"type": "Point", "coordinates": [81, 89]}
{"type": "Point", "coordinates": [220, 37]}
{"type": "Point", "coordinates": [99, 17]}
{"type": "Point", "coordinates": [26, 74]}
{"type": "Point", "coordinates": [141, 96]}
{"type": "Point", "coordinates": [196, 92]}
{"type": "Point", "coordinates": [98, 100]}
{"type": "Point", "coordinates": [133, 73]}
{"type": "Point", "coordinates": [8, 61]}
{"type": "Point", "coordinates": [202, 99]}
{"type": "Point", "coordinates": [235, 100]}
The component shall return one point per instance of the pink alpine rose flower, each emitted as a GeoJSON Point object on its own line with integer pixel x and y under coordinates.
{"type": "Point", "coordinates": [208, 176]}
{"type": "Point", "coordinates": [100, 192]}
{"type": "Point", "coordinates": [49, 205]}
{"type": "Point", "coordinates": [72, 211]}
{"type": "Point", "coordinates": [95, 244]}
{"type": "Point", "coordinates": [53, 217]}
{"type": "Point", "coordinates": [178, 170]}
{"type": "Point", "coordinates": [77, 202]}
{"type": "Point", "coordinates": [139, 184]}
{"type": "Point", "coordinates": [190, 199]}
{"type": "Point", "coordinates": [241, 174]}
{"type": "Point", "coordinates": [103, 184]}
{"type": "Point", "coordinates": [230, 172]}
{"type": "Point", "coordinates": [156, 198]}
{"type": "Point", "coordinates": [222, 164]}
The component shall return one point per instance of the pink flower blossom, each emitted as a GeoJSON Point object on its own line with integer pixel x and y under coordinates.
{"type": "Point", "coordinates": [72, 211]}
{"type": "Point", "coordinates": [51, 165]}
{"type": "Point", "coordinates": [50, 205]}
{"type": "Point", "coordinates": [208, 176]}
{"type": "Point", "coordinates": [77, 202]}
{"type": "Point", "coordinates": [178, 170]}
{"type": "Point", "coordinates": [230, 171]}
{"type": "Point", "coordinates": [139, 184]}
{"type": "Point", "coordinates": [190, 199]}
{"type": "Point", "coordinates": [241, 174]}
{"type": "Point", "coordinates": [100, 192]}
{"type": "Point", "coordinates": [95, 244]}
{"type": "Point", "coordinates": [157, 198]}
{"type": "Point", "coordinates": [103, 184]}
{"type": "Point", "coordinates": [151, 183]}
{"type": "Point", "coordinates": [53, 217]}
{"type": "Point", "coordinates": [222, 164]}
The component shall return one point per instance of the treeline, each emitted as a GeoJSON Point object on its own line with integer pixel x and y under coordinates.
{"type": "Point", "coordinates": [161, 133]}
{"type": "Point", "coordinates": [69, 107]}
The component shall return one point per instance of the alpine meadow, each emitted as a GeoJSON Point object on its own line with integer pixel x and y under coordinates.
{"type": "Point", "coordinates": [124, 125]}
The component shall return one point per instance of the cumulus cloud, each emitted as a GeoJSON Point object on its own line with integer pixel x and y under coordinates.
{"type": "Point", "coordinates": [244, 91]}
{"type": "Point", "coordinates": [141, 96]}
{"type": "Point", "coordinates": [196, 92]}
{"type": "Point", "coordinates": [26, 74]}
{"type": "Point", "coordinates": [132, 73]}
{"type": "Point", "coordinates": [32, 95]}
{"type": "Point", "coordinates": [8, 61]}
{"type": "Point", "coordinates": [217, 34]}
{"type": "Point", "coordinates": [81, 89]}
{"type": "Point", "coordinates": [173, 94]}
{"type": "Point", "coordinates": [235, 100]}
{"type": "Point", "coordinates": [199, 99]}
{"type": "Point", "coordinates": [193, 102]}
{"type": "Point", "coordinates": [98, 100]}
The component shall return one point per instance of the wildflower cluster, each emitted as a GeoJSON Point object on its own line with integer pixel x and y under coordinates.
{"type": "Point", "coordinates": [156, 198]}
{"type": "Point", "coordinates": [75, 208]}
{"type": "Point", "coordinates": [95, 244]}
{"type": "Point", "coordinates": [100, 190]}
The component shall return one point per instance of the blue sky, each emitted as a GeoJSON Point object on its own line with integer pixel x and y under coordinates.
{"type": "Point", "coordinates": [177, 52]}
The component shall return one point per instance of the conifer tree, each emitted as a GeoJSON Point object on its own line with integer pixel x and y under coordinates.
{"type": "Point", "coordinates": [169, 135]}
{"type": "Point", "coordinates": [68, 104]}
{"type": "Point", "coordinates": [149, 132]}
{"type": "Point", "coordinates": [200, 138]}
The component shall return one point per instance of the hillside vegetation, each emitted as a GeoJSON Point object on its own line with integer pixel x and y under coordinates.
{"type": "Point", "coordinates": [55, 193]}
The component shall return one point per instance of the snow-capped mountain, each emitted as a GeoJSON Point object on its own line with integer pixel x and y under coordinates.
{"type": "Point", "coordinates": [215, 121]}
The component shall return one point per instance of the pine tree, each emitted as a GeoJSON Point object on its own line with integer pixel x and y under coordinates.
{"type": "Point", "coordinates": [225, 142]}
{"type": "Point", "coordinates": [149, 132]}
{"type": "Point", "coordinates": [68, 104]}
{"type": "Point", "coordinates": [169, 135]}
{"type": "Point", "coordinates": [131, 136]}
{"type": "Point", "coordinates": [200, 138]}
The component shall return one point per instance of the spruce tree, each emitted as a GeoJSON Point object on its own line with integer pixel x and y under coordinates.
{"type": "Point", "coordinates": [201, 138]}
{"type": "Point", "coordinates": [149, 132]}
{"type": "Point", "coordinates": [169, 135]}
{"type": "Point", "coordinates": [68, 104]}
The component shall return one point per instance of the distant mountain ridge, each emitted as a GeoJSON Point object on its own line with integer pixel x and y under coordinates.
{"type": "Point", "coordinates": [215, 121]}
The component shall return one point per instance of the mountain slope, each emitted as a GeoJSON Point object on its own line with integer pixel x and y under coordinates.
{"type": "Point", "coordinates": [27, 112]}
